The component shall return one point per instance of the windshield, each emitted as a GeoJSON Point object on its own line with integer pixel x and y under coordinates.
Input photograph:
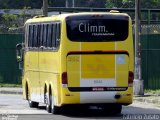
{"type": "Point", "coordinates": [97, 28]}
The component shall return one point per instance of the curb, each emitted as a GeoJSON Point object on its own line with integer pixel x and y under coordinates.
{"type": "Point", "coordinates": [10, 90]}
{"type": "Point", "coordinates": [148, 99]}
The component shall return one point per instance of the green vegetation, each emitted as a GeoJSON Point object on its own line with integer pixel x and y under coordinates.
{"type": "Point", "coordinates": [152, 91]}
{"type": "Point", "coordinates": [10, 85]}
{"type": "Point", "coordinates": [8, 18]}
{"type": "Point", "coordinates": [13, 22]}
{"type": "Point", "coordinates": [151, 4]}
{"type": "Point", "coordinates": [20, 4]}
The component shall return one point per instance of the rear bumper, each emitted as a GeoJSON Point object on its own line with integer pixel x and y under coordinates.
{"type": "Point", "coordinates": [97, 97]}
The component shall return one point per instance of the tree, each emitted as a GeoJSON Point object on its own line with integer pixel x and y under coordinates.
{"type": "Point", "coordinates": [23, 15]}
{"type": "Point", "coordinates": [113, 3]}
{"type": "Point", "coordinates": [148, 4]}
{"type": "Point", "coordinates": [145, 4]}
{"type": "Point", "coordinates": [19, 4]}
{"type": "Point", "coordinates": [56, 3]}
{"type": "Point", "coordinates": [90, 3]}
{"type": "Point", "coordinates": [10, 20]}
{"type": "Point", "coordinates": [78, 3]}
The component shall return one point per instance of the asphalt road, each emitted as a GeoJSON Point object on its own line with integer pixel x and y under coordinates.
{"type": "Point", "coordinates": [13, 106]}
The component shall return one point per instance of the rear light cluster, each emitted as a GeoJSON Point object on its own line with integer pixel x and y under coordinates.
{"type": "Point", "coordinates": [64, 78]}
{"type": "Point", "coordinates": [130, 78]}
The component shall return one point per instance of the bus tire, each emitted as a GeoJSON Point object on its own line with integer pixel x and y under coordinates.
{"type": "Point", "coordinates": [54, 109]}
{"type": "Point", "coordinates": [48, 101]}
{"type": "Point", "coordinates": [33, 104]}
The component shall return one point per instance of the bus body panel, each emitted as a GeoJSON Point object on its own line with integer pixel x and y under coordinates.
{"type": "Point", "coordinates": [89, 73]}
{"type": "Point", "coordinates": [95, 70]}
{"type": "Point", "coordinates": [31, 74]}
{"type": "Point", "coordinates": [123, 63]}
{"type": "Point", "coordinates": [108, 70]}
{"type": "Point", "coordinates": [49, 72]}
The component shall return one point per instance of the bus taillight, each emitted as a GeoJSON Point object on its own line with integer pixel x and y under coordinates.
{"type": "Point", "coordinates": [130, 78]}
{"type": "Point", "coordinates": [64, 78]}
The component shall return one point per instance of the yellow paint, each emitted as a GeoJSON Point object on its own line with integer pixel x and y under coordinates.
{"type": "Point", "coordinates": [122, 72]}
{"type": "Point", "coordinates": [73, 70]}
{"type": "Point", "coordinates": [46, 67]}
{"type": "Point", "coordinates": [98, 66]}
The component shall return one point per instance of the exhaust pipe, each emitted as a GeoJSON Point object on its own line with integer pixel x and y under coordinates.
{"type": "Point", "coordinates": [117, 96]}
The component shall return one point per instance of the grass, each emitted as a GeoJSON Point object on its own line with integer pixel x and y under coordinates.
{"type": "Point", "coordinates": [152, 91]}
{"type": "Point", "coordinates": [10, 85]}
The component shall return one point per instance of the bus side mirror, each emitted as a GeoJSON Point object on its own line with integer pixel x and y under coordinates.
{"type": "Point", "coordinates": [19, 52]}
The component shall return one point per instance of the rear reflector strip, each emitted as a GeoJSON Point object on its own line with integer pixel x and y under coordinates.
{"type": "Point", "coordinates": [99, 52]}
{"type": "Point", "coordinates": [97, 89]}
{"type": "Point", "coordinates": [84, 89]}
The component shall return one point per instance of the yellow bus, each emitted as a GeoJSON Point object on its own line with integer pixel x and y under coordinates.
{"type": "Point", "coordinates": [83, 59]}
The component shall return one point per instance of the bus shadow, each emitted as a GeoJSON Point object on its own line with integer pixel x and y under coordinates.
{"type": "Point", "coordinates": [42, 107]}
{"type": "Point", "coordinates": [127, 113]}
{"type": "Point", "coordinates": [86, 113]}
{"type": "Point", "coordinates": [132, 111]}
{"type": "Point", "coordinates": [90, 113]}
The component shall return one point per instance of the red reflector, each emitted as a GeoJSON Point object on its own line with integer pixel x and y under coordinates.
{"type": "Point", "coordinates": [68, 95]}
{"type": "Point", "coordinates": [130, 78]}
{"type": "Point", "coordinates": [128, 94]}
{"type": "Point", "coordinates": [64, 78]}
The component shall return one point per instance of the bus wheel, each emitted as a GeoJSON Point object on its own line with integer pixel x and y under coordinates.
{"type": "Point", "coordinates": [31, 103]}
{"type": "Point", "coordinates": [54, 109]}
{"type": "Point", "coordinates": [48, 101]}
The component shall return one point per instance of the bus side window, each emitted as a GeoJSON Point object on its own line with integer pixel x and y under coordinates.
{"type": "Point", "coordinates": [47, 28]}
{"type": "Point", "coordinates": [38, 35]}
{"type": "Point", "coordinates": [26, 35]}
{"type": "Point", "coordinates": [54, 35]}
{"type": "Point", "coordinates": [45, 35]}
{"type": "Point", "coordinates": [41, 35]}
{"type": "Point", "coordinates": [30, 36]}
{"type": "Point", "coordinates": [57, 34]}
{"type": "Point", "coordinates": [49, 36]}
{"type": "Point", "coordinates": [35, 36]}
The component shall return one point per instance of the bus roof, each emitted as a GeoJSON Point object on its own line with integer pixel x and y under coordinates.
{"type": "Point", "coordinates": [63, 16]}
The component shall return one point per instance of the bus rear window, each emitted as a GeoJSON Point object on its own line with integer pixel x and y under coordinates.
{"type": "Point", "coordinates": [97, 29]}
